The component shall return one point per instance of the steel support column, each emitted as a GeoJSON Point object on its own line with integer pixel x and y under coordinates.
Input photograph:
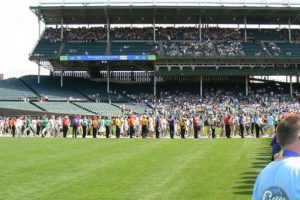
{"type": "Point", "coordinates": [247, 85]}
{"type": "Point", "coordinates": [201, 86]}
{"type": "Point", "coordinates": [62, 29]}
{"type": "Point", "coordinates": [200, 29]}
{"type": "Point", "coordinates": [108, 74]}
{"type": "Point", "coordinates": [291, 85]}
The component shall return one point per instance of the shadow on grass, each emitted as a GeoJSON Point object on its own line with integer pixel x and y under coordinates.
{"type": "Point", "coordinates": [245, 185]}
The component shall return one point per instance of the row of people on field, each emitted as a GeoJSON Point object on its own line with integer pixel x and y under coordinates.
{"type": "Point", "coordinates": [187, 125]}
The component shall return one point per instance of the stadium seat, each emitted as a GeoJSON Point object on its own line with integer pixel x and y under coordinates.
{"type": "Point", "coordinates": [14, 89]}
{"type": "Point", "coordinates": [132, 48]}
{"type": "Point", "coordinates": [62, 107]}
{"type": "Point", "coordinates": [50, 87]}
{"type": "Point", "coordinates": [102, 109]}
{"type": "Point", "coordinates": [18, 105]}
{"type": "Point", "coordinates": [84, 48]}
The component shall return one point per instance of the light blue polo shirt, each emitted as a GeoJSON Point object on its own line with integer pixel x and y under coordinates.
{"type": "Point", "coordinates": [279, 180]}
{"type": "Point", "coordinates": [270, 120]}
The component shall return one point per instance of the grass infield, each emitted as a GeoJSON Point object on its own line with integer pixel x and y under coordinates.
{"type": "Point", "coordinates": [40, 168]}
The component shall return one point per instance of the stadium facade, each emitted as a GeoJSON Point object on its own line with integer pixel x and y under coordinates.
{"type": "Point", "coordinates": [157, 12]}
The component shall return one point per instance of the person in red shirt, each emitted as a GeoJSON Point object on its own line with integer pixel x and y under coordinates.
{"type": "Point", "coordinates": [228, 122]}
{"type": "Point", "coordinates": [65, 123]}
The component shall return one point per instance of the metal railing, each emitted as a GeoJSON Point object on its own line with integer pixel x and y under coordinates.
{"type": "Point", "coordinates": [250, 3]}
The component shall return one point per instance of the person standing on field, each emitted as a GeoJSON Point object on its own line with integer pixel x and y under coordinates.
{"type": "Point", "coordinates": [118, 127]}
{"type": "Point", "coordinates": [84, 125]}
{"type": "Point", "coordinates": [107, 126]}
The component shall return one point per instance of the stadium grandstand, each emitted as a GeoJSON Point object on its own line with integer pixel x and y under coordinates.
{"type": "Point", "coordinates": [107, 55]}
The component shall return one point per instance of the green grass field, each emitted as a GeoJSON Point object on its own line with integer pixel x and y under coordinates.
{"type": "Point", "coordinates": [39, 168]}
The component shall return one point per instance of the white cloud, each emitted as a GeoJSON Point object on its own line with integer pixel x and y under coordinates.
{"type": "Point", "coordinates": [18, 35]}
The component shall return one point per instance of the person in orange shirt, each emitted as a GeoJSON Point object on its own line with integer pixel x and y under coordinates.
{"type": "Point", "coordinates": [95, 126]}
{"type": "Point", "coordinates": [13, 126]}
{"type": "Point", "coordinates": [131, 122]}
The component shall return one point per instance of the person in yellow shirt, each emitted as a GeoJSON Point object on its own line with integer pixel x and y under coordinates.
{"type": "Point", "coordinates": [182, 124]}
{"type": "Point", "coordinates": [144, 123]}
{"type": "Point", "coordinates": [118, 126]}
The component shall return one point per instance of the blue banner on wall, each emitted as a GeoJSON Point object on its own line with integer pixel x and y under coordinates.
{"type": "Point", "coordinates": [108, 57]}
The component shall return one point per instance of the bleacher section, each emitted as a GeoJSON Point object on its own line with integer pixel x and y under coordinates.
{"type": "Point", "coordinates": [257, 35]}
{"type": "Point", "coordinates": [102, 109]}
{"type": "Point", "coordinates": [132, 48]}
{"type": "Point", "coordinates": [95, 91]}
{"type": "Point", "coordinates": [287, 49]}
{"type": "Point", "coordinates": [14, 89]}
{"type": "Point", "coordinates": [62, 107]}
{"type": "Point", "coordinates": [18, 105]}
{"type": "Point", "coordinates": [50, 87]}
{"type": "Point", "coordinates": [136, 108]}
{"type": "Point", "coordinates": [133, 88]}
{"type": "Point", "coordinates": [84, 48]}
{"type": "Point", "coordinates": [254, 49]}
{"type": "Point", "coordinates": [46, 49]}
{"type": "Point", "coordinates": [126, 41]}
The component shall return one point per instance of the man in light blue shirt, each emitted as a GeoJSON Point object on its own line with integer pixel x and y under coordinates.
{"type": "Point", "coordinates": [281, 178]}
{"type": "Point", "coordinates": [271, 126]}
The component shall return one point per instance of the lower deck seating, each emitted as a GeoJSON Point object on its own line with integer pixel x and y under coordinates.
{"type": "Point", "coordinates": [18, 105]}
{"type": "Point", "coordinates": [102, 109]}
{"type": "Point", "coordinates": [136, 108]}
{"type": "Point", "coordinates": [62, 107]}
{"type": "Point", "coordinates": [50, 88]}
{"type": "Point", "coordinates": [14, 89]}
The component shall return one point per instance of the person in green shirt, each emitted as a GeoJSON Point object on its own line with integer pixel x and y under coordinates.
{"type": "Point", "coordinates": [28, 125]}
{"type": "Point", "coordinates": [84, 124]}
{"type": "Point", "coordinates": [107, 126]}
{"type": "Point", "coordinates": [44, 125]}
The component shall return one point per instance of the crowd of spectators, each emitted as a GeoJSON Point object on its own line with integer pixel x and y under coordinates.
{"type": "Point", "coordinates": [180, 41]}
{"type": "Point", "coordinates": [230, 49]}
{"type": "Point", "coordinates": [128, 33]}
{"type": "Point", "coordinates": [86, 34]}
{"type": "Point", "coordinates": [174, 49]}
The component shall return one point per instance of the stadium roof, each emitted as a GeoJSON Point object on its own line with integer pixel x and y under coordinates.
{"type": "Point", "coordinates": [168, 11]}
